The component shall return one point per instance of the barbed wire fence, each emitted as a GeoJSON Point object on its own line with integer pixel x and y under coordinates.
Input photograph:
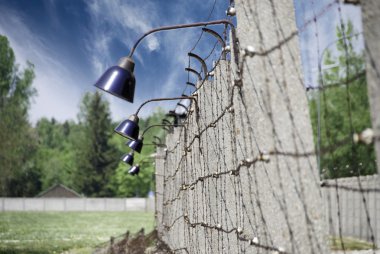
{"type": "Point", "coordinates": [244, 176]}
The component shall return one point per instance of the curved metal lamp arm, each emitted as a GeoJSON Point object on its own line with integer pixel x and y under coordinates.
{"type": "Point", "coordinates": [191, 84]}
{"type": "Point", "coordinates": [204, 66]}
{"type": "Point", "coordinates": [165, 121]}
{"type": "Point", "coordinates": [175, 115]}
{"type": "Point", "coordinates": [180, 26]}
{"type": "Point", "coordinates": [166, 128]}
{"type": "Point", "coordinates": [183, 106]}
{"type": "Point", "coordinates": [159, 144]}
{"type": "Point", "coordinates": [163, 99]}
{"type": "Point", "coordinates": [157, 138]}
{"type": "Point", "coordinates": [220, 40]}
{"type": "Point", "coordinates": [144, 160]}
{"type": "Point", "coordinates": [159, 125]}
{"type": "Point", "coordinates": [195, 72]}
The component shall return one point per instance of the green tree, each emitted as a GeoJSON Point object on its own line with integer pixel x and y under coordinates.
{"type": "Point", "coordinates": [344, 110]}
{"type": "Point", "coordinates": [19, 175]}
{"type": "Point", "coordinates": [96, 156]}
{"type": "Point", "coordinates": [56, 154]}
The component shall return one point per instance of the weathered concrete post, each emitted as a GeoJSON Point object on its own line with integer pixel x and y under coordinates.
{"type": "Point", "coordinates": [371, 21]}
{"type": "Point", "coordinates": [159, 175]}
{"type": "Point", "coordinates": [272, 118]}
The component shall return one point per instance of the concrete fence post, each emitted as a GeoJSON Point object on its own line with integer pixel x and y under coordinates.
{"type": "Point", "coordinates": [371, 21]}
{"type": "Point", "coordinates": [272, 116]}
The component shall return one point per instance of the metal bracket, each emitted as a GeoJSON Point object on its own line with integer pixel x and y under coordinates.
{"type": "Point", "coordinates": [220, 40]}
{"type": "Point", "coordinates": [195, 72]}
{"type": "Point", "coordinates": [204, 66]}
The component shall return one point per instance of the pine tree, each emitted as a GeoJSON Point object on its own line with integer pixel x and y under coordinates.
{"type": "Point", "coordinates": [97, 158]}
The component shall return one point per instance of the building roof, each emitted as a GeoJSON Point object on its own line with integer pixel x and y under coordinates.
{"type": "Point", "coordinates": [58, 191]}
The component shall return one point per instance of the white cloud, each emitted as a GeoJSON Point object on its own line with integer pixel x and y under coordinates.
{"type": "Point", "coordinates": [153, 44]}
{"type": "Point", "coordinates": [58, 95]}
{"type": "Point", "coordinates": [101, 44]}
{"type": "Point", "coordinates": [127, 22]}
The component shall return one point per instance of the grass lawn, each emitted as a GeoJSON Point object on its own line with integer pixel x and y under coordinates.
{"type": "Point", "coordinates": [349, 244]}
{"type": "Point", "coordinates": [56, 232]}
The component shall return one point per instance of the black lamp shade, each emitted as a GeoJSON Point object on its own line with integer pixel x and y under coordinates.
{"type": "Point", "coordinates": [119, 80]}
{"type": "Point", "coordinates": [128, 129]}
{"type": "Point", "coordinates": [136, 145]}
{"type": "Point", "coordinates": [134, 170]}
{"type": "Point", "coordinates": [128, 158]}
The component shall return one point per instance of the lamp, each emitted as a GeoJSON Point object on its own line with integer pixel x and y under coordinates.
{"type": "Point", "coordinates": [134, 170]}
{"type": "Point", "coordinates": [129, 128]}
{"type": "Point", "coordinates": [128, 158]}
{"type": "Point", "coordinates": [137, 144]}
{"type": "Point", "coordinates": [120, 81]}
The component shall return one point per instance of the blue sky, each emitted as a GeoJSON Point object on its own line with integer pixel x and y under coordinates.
{"type": "Point", "coordinates": [319, 36]}
{"type": "Point", "coordinates": [71, 42]}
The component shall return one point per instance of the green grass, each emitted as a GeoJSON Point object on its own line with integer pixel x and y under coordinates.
{"type": "Point", "coordinates": [349, 244]}
{"type": "Point", "coordinates": [55, 232]}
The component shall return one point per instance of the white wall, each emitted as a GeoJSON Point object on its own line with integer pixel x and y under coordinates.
{"type": "Point", "coordinates": [352, 208]}
{"type": "Point", "coordinates": [76, 204]}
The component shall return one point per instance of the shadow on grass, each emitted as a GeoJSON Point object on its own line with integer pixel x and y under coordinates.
{"type": "Point", "coordinates": [350, 244]}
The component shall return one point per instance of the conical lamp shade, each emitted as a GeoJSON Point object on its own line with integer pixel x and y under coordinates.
{"type": "Point", "coordinates": [119, 80]}
{"type": "Point", "coordinates": [134, 170]}
{"type": "Point", "coordinates": [128, 158]}
{"type": "Point", "coordinates": [128, 129]}
{"type": "Point", "coordinates": [136, 145]}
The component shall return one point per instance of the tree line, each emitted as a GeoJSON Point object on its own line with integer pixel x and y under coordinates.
{"type": "Point", "coordinates": [83, 155]}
